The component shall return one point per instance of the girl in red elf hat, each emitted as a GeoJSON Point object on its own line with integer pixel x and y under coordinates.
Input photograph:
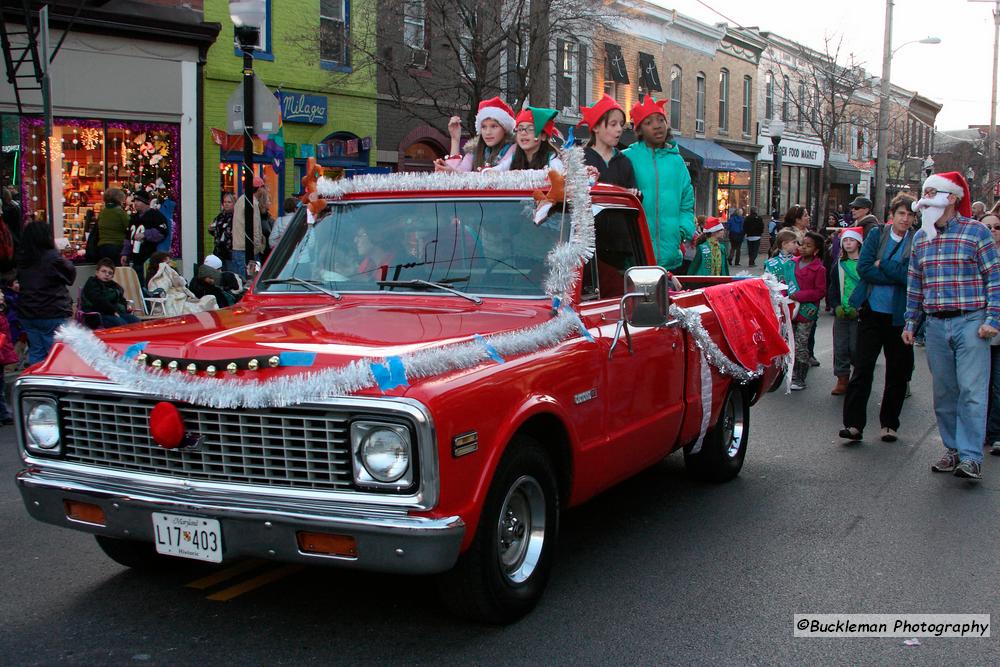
{"type": "Point", "coordinates": [490, 148]}
{"type": "Point", "coordinates": [534, 127]}
{"type": "Point", "coordinates": [606, 120]}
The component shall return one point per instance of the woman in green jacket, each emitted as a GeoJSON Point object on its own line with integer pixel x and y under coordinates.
{"type": "Point", "coordinates": [663, 178]}
{"type": "Point", "coordinates": [112, 225]}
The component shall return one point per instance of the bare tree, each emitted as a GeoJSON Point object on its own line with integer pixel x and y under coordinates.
{"type": "Point", "coordinates": [825, 97]}
{"type": "Point", "coordinates": [437, 58]}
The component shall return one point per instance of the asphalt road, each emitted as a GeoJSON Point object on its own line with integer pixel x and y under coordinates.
{"type": "Point", "coordinates": [660, 570]}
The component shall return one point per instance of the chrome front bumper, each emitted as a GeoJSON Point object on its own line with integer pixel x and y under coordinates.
{"type": "Point", "coordinates": [388, 540]}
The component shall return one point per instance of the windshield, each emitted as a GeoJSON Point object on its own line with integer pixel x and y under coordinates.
{"type": "Point", "coordinates": [484, 247]}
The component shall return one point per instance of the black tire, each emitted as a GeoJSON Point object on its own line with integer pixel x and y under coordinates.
{"type": "Point", "coordinates": [720, 458]}
{"type": "Point", "coordinates": [503, 574]}
{"type": "Point", "coordinates": [136, 555]}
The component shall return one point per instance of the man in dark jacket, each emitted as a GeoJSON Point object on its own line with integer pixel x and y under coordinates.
{"type": "Point", "coordinates": [147, 229]}
{"type": "Point", "coordinates": [753, 227]}
{"type": "Point", "coordinates": [861, 211]}
{"type": "Point", "coordinates": [101, 294]}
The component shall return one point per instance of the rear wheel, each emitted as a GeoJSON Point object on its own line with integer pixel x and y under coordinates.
{"type": "Point", "coordinates": [724, 448]}
{"type": "Point", "coordinates": [503, 574]}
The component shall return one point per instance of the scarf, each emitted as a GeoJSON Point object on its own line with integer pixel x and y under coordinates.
{"type": "Point", "coordinates": [714, 257]}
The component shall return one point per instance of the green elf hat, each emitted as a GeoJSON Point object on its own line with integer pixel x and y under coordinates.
{"type": "Point", "coordinates": [544, 120]}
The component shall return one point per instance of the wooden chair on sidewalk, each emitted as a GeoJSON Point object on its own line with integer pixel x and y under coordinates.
{"type": "Point", "coordinates": [147, 305]}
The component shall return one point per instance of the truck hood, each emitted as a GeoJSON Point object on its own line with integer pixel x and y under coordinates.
{"type": "Point", "coordinates": [337, 333]}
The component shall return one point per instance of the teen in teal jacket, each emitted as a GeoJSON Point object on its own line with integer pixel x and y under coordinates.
{"type": "Point", "coordinates": [663, 178]}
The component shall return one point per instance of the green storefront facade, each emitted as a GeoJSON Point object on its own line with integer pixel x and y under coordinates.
{"type": "Point", "coordinates": [328, 103]}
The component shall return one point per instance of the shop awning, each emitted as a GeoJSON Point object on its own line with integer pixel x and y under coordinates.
{"type": "Point", "coordinates": [616, 70]}
{"type": "Point", "coordinates": [711, 155]}
{"type": "Point", "coordinates": [844, 172]}
{"type": "Point", "coordinates": [648, 74]}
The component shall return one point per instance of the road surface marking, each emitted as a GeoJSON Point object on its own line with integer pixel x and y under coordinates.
{"type": "Point", "coordinates": [258, 581]}
{"type": "Point", "coordinates": [228, 573]}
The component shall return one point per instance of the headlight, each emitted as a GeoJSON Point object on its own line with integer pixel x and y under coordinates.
{"type": "Point", "coordinates": [41, 424]}
{"type": "Point", "coordinates": [382, 454]}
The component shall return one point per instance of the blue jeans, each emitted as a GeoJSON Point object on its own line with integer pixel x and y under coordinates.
{"type": "Point", "coordinates": [955, 350]}
{"type": "Point", "coordinates": [238, 264]}
{"type": "Point", "coordinates": [41, 333]}
{"type": "Point", "coordinates": [993, 420]}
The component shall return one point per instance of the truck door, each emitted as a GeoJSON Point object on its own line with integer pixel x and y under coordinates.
{"type": "Point", "coordinates": [643, 390]}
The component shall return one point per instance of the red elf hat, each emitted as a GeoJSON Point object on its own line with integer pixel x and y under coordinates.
{"type": "Point", "coordinates": [649, 106]}
{"type": "Point", "coordinates": [593, 114]}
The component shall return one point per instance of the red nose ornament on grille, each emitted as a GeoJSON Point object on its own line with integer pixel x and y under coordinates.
{"type": "Point", "coordinates": [166, 425]}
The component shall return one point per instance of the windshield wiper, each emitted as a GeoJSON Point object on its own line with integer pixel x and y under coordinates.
{"type": "Point", "coordinates": [416, 283]}
{"type": "Point", "coordinates": [311, 284]}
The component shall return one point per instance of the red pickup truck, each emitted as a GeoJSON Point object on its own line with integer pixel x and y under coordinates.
{"type": "Point", "coordinates": [398, 391]}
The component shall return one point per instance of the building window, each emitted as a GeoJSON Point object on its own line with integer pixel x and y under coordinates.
{"type": "Point", "coordinates": [747, 97]}
{"type": "Point", "coordinates": [414, 24]}
{"type": "Point", "coordinates": [675, 97]}
{"type": "Point", "coordinates": [699, 110]}
{"type": "Point", "coordinates": [785, 94]}
{"type": "Point", "coordinates": [724, 100]}
{"type": "Point", "coordinates": [567, 74]}
{"type": "Point", "coordinates": [801, 115]}
{"type": "Point", "coordinates": [769, 95]}
{"type": "Point", "coordinates": [334, 28]}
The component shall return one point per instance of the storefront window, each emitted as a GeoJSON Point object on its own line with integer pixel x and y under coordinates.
{"type": "Point", "coordinates": [90, 156]}
{"type": "Point", "coordinates": [231, 181]}
{"type": "Point", "coordinates": [732, 192]}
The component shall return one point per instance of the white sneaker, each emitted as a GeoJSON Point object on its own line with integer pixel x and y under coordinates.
{"type": "Point", "coordinates": [797, 386]}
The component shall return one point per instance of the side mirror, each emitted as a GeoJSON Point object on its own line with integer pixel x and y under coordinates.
{"type": "Point", "coordinates": [645, 302]}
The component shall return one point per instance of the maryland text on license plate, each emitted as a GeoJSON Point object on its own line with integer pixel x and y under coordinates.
{"type": "Point", "coordinates": [188, 537]}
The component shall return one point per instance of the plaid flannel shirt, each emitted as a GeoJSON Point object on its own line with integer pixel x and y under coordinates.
{"type": "Point", "coordinates": [958, 270]}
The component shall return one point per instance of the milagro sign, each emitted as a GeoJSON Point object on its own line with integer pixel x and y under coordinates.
{"type": "Point", "coordinates": [302, 108]}
{"type": "Point", "coordinates": [792, 152]}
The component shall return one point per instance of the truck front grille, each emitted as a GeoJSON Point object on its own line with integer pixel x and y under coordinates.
{"type": "Point", "coordinates": [302, 448]}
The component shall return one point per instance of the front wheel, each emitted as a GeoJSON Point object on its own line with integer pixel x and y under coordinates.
{"type": "Point", "coordinates": [724, 448]}
{"type": "Point", "coordinates": [504, 572]}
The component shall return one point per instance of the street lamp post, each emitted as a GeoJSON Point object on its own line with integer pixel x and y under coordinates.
{"type": "Point", "coordinates": [881, 168]}
{"type": "Point", "coordinates": [776, 129]}
{"type": "Point", "coordinates": [248, 17]}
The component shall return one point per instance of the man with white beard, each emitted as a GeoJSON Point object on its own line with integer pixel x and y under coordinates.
{"type": "Point", "coordinates": [954, 279]}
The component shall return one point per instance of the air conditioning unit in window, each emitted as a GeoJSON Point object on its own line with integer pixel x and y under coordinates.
{"type": "Point", "coordinates": [419, 58]}
{"type": "Point", "coordinates": [699, 126]}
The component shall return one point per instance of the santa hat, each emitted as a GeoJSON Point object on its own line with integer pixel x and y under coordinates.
{"type": "Point", "coordinates": [543, 119]}
{"type": "Point", "coordinates": [713, 225]}
{"type": "Point", "coordinates": [856, 233]}
{"type": "Point", "coordinates": [648, 107]}
{"type": "Point", "coordinates": [499, 111]}
{"type": "Point", "coordinates": [593, 114]}
{"type": "Point", "coordinates": [954, 183]}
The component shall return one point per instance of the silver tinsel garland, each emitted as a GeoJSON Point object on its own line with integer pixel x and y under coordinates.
{"type": "Point", "coordinates": [312, 385]}
{"type": "Point", "coordinates": [528, 179]}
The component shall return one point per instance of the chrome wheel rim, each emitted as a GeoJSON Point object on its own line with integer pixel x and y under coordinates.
{"type": "Point", "coordinates": [733, 426]}
{"type": "Point", "coordinates": [521, 529]}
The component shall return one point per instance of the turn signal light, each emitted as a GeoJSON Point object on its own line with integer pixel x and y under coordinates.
{"type": "Point", "coordinates": [85, 512]}
{"type": "Point", "coordinates": [327, 544]}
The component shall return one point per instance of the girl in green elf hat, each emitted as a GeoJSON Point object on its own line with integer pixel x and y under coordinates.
{"type": "Point", "coordinates": [533, 129]}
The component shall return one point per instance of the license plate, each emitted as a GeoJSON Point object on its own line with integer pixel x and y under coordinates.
{"type": "Point", "coordinates": [188, 537]}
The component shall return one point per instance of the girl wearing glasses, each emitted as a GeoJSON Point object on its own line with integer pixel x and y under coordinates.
{"type": "Point", "coordinates": [534, 128]}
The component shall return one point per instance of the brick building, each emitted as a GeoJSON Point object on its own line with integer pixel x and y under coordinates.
{"type": "Point", "coordinates": [707, 73]}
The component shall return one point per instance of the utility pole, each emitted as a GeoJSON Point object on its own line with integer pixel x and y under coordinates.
{"type": "Point", "coordinates": [882, 158]}
{"type": "Point", "coordinates": [992, 138]}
